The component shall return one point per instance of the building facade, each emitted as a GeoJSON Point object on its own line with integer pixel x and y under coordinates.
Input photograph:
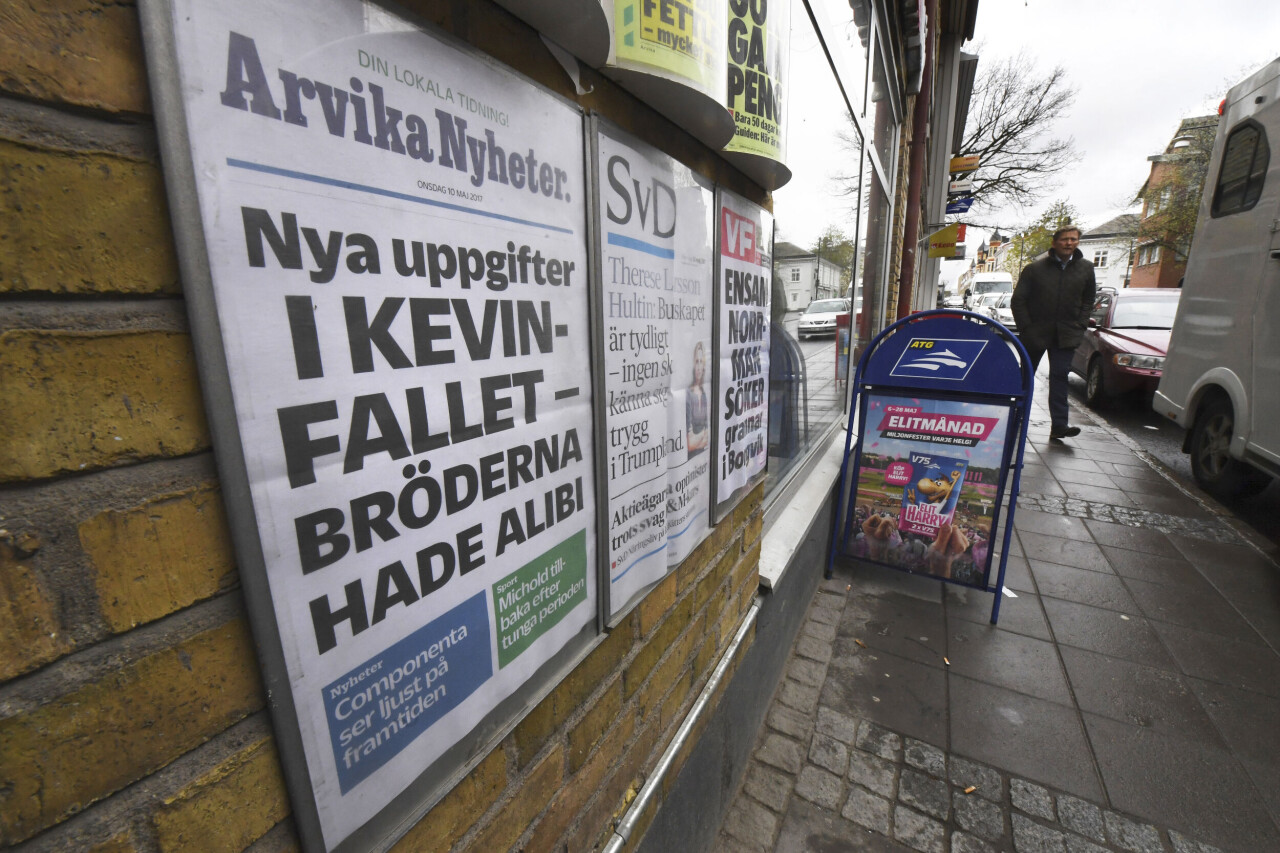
{"type": "Point", "coordinates": [1110, 248]}
{"type": "Point", "coordinates": [1170, 201]}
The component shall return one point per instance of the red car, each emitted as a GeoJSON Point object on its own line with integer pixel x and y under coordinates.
{"type": "Point", "coordinates": [1124, 347]}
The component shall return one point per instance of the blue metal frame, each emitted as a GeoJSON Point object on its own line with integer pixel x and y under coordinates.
{"type": "Point", "coordinates": [1016, 396]}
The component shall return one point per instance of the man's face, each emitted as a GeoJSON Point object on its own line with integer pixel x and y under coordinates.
{"type": "Point", "coordinates": [1065, 244]}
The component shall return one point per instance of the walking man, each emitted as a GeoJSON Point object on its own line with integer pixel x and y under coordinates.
{"type": "Point", "coordinates": [1051, 306]}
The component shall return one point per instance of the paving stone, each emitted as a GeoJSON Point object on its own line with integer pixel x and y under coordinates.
{"type": "Point", "coordinates": [918, 831]}
{"type": "Point", "coordinates": [768, 786]}
{"type": "Point", "coordinates": [878, 740]}
{"type": "Point", "coordinates": [980, 817]}
{"type": "Point", "coordinates": [827, 614]}
{"type": "Point", "coordinates": [826, 751]}
{"type": "Point", "coordinates": [802, 697]}
{"type": "Point", "coordinates": [987, 782]}
{"type": "Point", "coordinates": [836, 586]}
{"type": "Point", "coordinates": [1031, 799]}
{"type": "Point", "coordinates": [820, 632]}
{"type": "Point", "coordinates": [961, 843]}
{"type": "Point", "coordinates": [1081, 817]}
{"type": "Point", "coordinates": [813, 649]}
{"type": "Point", "coordinates": [925, 757]}
{"type": "Point", "coordinates": [807, 672]}
{"type": "Point", "coordinates": [931, 796]}
{"type": "Point", "coordinates": [783, 753]}
{"type": "Point", "coordinates": [1131, 835]}
{"type": "Point", "coordinates": [820, 787]}
{"type": "Point", "coordinates": [867, 810]}
{"type": "Point", "coordinates": [1031, 837]}
{"type": "Point", "coordinates": [791, 722]}
{"type": "Point", "coordinates": [1076, 844]}
{"type": "Point", "coordinates": [751, 823]}
{"type": "Point", "coordinates": [872, 772]}
{"type": "Point", "coordinates": [1182, 844]}
{"type": "Point", "coordinates": [839, 726]}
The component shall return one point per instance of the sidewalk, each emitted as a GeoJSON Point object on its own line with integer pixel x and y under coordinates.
{"type": "Point", "coordinates": [1128, 700]}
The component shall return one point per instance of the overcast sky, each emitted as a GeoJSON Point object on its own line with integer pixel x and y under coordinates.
{"type": "Point", "coordinates": [1138, 67]}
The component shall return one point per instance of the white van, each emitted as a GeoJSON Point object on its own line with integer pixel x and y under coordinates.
{"type": "Point", "coordinates": [1221, 377]}
{"type": "Point", "coordinates": [983, 283]}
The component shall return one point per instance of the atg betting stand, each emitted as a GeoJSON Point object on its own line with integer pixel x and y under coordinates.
{"type": "Point", "coordinates": [943, 400]}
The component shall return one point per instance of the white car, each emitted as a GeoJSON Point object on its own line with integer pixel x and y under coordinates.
{"type": "Point", "coordinates": [1002, 312]}
{"type": "Point", "coordinates": [984, 303]}
{"type": "Point", "coordinates": [820, 317]}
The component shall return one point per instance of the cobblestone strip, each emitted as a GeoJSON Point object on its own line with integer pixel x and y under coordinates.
{"type": "Point", "coordinates": [905, 790]}
{"type": "Point", "coordinates": [1192, 527]}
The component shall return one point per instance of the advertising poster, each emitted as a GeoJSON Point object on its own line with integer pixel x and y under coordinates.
{"type": "Point", "coordinates": [682, 40]}
{"type": "Point", "coordinates": [395, 233]}
{"type": "Point", "coordinates": [744, 289]}
{"type": "Point", "coordinates": [656, 264]}
{"type": "Point", "coordinates": [926, 486]}
{"type": "Point", "coordinates": [759, 50]}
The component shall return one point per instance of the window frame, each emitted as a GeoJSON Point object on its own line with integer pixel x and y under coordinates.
{"type": "Point", "coordinates": [1254, 173]}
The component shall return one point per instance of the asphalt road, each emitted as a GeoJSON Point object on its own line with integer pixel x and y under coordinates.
{"type": "Point", "coordinates": [1134, 417]}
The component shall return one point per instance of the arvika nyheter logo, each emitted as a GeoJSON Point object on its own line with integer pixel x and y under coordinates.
{"type": "Point", "coordinates": [938, 358]}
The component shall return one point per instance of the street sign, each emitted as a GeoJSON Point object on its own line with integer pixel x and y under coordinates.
{"type": "Point", "coordinates": [945, 243]}
{"type": "Point", "coordinates": [960, 187]}
{"type": "Point", "coordinates": [965, 163]}
{"type": "Point", "coordinates": [943, 401]}
{"type": "Point", "coordinates": [960, 205]}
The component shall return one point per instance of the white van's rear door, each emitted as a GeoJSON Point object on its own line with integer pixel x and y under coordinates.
{"type": "Point", "coordinates": [1264, 438]}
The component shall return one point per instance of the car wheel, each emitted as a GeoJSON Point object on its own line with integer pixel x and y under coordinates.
{"type": "Point", "coordinates": [1215, 469]}
{"type": "Point", "coordinates": [1095, 392]}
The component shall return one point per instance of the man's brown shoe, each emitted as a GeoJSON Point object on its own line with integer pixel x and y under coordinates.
{"type": "Point", "coordinates": [1065, 432]}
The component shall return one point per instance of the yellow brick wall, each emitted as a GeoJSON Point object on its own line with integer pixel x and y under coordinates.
{"type": "Point", "coordinates": [132, 711]}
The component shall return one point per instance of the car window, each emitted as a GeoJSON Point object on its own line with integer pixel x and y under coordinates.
{"type": "Point", "coordinates": [1100, 308]}
{"type": "Point", "coordinates": [1144, 313]}
{"type": "Point", "coordinates": [827, 306]}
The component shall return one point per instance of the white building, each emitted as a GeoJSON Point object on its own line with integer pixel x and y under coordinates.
{"type": "Point", "coordinates": [1109, 246]}
{"type": "Point", "coordinates": [806, 276]}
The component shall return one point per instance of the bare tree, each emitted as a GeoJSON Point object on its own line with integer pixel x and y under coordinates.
{"type": "Point", "coordinates": [1011, 118]}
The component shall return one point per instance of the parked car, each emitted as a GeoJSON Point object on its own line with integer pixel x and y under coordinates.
{"type": "Point", "coordinates": [1222, 379]}
{"type": "Point", "coordinates": [820, 317]}
{"type": "Point", "coordinates": [1124, 347]}
{"type": "Point", "coordinates": [1002, 312]}
{"type": "Point", "coordinates": [984, 303]}
{"type": "Point", "coordinates": [984, 283]}
{"type": "Point", "coordinates": [955, 300]}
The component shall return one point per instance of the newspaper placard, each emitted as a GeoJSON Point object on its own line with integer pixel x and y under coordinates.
{"type": "Point", "coordinates": [759, 53]}
{"type": "Point", "coordinates": [396, 240]}
{"type": "Point", "coordinates": [682, 40]}
{"type": "Point", "coordinates": [656, 262]}
{"type": "Point", "coordinates": [926, 486]}
{"type": "Point", "coordinates": [744, 292]}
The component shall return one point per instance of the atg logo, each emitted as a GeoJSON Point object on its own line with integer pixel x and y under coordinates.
{"type": "Point", "coordinates": [938, 358]}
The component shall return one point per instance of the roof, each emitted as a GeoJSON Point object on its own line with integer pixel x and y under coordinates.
{"type": "Point", "coordinates": [1122, 224]}
{"type": "Point", "coordinates": [783, 249]}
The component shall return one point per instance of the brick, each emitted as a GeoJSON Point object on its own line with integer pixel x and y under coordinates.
{"type": "Point", "coordinates": [82, 52]}
{"type": "Point", "coordinates": [656, 604]}
{"type": "Point", "coordinates": [228, 808]}
{"type": "Point", "coordinates": [157, 558]}
{"type": "Point", "coordinates": [830, 753]}
{"type": "Point", "coordinates": [99, 738]}
{"type": "Point", "coordinates": [587, 733]}
{"type": "Point", "coordinates": [1031, 837]}
{"type": "Point", "coordinates": [768, 786]}
{"type": "Point", "coordinates": [747, 507]}
{"type": "Point", "coordinates": [453, 816]}
{"type": "Point", "coordinates": [1128, 834]}
{"type": "Point", "coordinates": [872, 772]}
{"type": "Point", "coordinates": [919, 832]}
{"type": "Point", "coordinates": [925, 757]}
{"type": "Point", "coordinates": [581, 786]}
{"type": "Point", "coordinates": [536, 728]}
{"type": "Point", "coordinates": [1031, 799]}
{"type": "Point", "coordinates": [746, 569]}
{"type": "Point", "coordinates": [783, 753]}
{"type": "Point", "coordinates": [83, 223]}
{"type": "Point", "coordinates": [980, 817]}
{"type": "Point", "coordinates": [931, 796]}
{"type": "Point", "coordinates": [867, 810]}
{"type": "Point", "coordinates": [30, 634]}
{"type": "Point", "coordinates": [820, 787]}
{"type": "Point", "coordinates": [77, 400]}
{"type": "Point", "coordinates": [790, 722]}
{"type": "Point", "coordinates": [669, 672]}
{"type": "Point", "coordinates": [987, 782]}
{"type": "Point", "coordinates": [620, 788]}
{"type": "Point", "coordinates": [751, 533]}
{"type": "Point", "coordinates": [638, 672]}
{"type": "Point", "coordinates": [528, 801]}
{"type": "Point", "coordinates": [1084, 818]}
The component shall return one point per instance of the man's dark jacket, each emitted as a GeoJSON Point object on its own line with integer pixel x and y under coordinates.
{"type": "Point", "coordinates": [1051, 305]}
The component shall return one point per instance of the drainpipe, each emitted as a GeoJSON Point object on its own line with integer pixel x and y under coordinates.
{"type": "Point", "coordinates": [915, 173]}
{"type": "Point", "coordinates": [653, 784]}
